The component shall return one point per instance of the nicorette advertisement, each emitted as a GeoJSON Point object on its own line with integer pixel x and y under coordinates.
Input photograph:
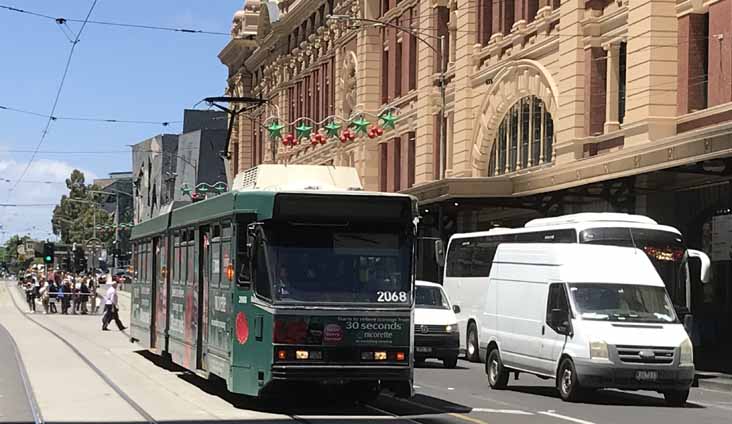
{"type": "Point", "coordinates": [342, 330]}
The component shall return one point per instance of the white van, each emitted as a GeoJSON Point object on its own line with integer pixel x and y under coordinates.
{"type": "Point", "coordinates": [588, 316]}
{"type": "Point", "coordinates": [435, 325]}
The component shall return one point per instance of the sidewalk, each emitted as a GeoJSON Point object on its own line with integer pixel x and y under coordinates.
{"type": "Point", "coordinates": [162, 393]}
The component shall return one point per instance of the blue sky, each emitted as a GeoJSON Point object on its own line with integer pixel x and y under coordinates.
{"type": "Point", "coordinates": [116, 73]}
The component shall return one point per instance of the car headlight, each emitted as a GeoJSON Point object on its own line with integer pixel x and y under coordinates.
{"type": "Point", "coordinates": [686, 353]}
{"type": "Point", "coordinates": [598, 350]}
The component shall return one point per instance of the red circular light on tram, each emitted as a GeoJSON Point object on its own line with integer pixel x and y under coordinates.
{"type": "Point", "coordinates": [242, 328]}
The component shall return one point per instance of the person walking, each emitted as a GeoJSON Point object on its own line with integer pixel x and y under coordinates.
{"type": "Point", "coordinates": [76, 295]}
{"type": "Point", "coordinates": [84, 294]}
{"type": "Point", "coordinates": [111, 311]}
{"type": "Point", "coordinates": [44, 296]}
{"type": "Point", "coordinates": [52, 295]}
{"type": "Point", "coordinates": [29, 294]}
{"type": "Point", "coordinates": [64, 294]}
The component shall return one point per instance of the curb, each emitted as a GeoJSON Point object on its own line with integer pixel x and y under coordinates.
{"type": "Point", "coordinates": [722, 383]}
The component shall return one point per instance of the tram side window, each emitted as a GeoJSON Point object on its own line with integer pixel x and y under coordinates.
{"type": "Point", "coordinates": [243, 275]}
{"type": "Point", "coordinates": [215, 261]}
{"type": "Point", "coordinates": [225, 254]}
{"type": "Point", "coordinates": [261, 281]}
{"type": "Point", "coordinates": [191, 258]}
{"type": "Point", "coordinates": [176, 260]}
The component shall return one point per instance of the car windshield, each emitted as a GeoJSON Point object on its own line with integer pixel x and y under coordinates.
{"type": "Point", "coordinates": [351, 264]}
{"type": "Point", "coordinates": [622, 302]}
{"type": "Point", "coordinates": [430, 297]}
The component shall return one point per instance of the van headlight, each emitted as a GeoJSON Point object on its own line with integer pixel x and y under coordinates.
{"type": "Point", "coordinates": [598, 350]}
{"type": "Point", "coordinates": [452, 328]}
{"type": "Point", "coordinates": [686, 353]}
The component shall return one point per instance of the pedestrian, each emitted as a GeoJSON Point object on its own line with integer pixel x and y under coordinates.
{"type": "Point", "coordinates": [52, 295]}
{"type": "Point", "coordinates": [29, 294]}
{"type": "Point", "coordinates": [76, 295]}
{"type": "Point", "coordinates": [111, 310]}
{"type": "Point", "coordinates": [93, 295]}
{"type": "Point", "coordinates": [64, 294]}
{"type": "Point", "coordinates": [45, 296]}
{"type": "Point", "coordinates": [84, 294]}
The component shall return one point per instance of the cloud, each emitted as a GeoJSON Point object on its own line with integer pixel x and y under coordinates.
{"type": "Point", "coordinates": [36, 188]}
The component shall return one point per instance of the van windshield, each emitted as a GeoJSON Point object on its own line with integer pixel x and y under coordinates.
{"type": "Point", "coordinates": [622, 302]}
{"type": "Point", "coordinates": [430, 297]}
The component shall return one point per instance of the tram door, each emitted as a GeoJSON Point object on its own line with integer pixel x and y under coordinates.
{"type": "Point", "coordinates": [203, 284]}
{"type": "Point", "coordinates": [160, 295]}
{"type": "Point", "coordinates": [152, 296]}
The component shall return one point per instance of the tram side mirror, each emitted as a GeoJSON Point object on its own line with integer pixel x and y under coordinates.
{"type": "Point", "coordinates": [706, 264]}
{"type": "Point", "coordinates": [439, 253]}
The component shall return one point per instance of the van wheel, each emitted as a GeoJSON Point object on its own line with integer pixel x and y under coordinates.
{"type": "Point", "coordinates": [676, 397]}
{"type": "Point", "coordinates": [497, 373]}
{"type": "Point", "coordinates": [450, 361]}
{"type": "Point", "coordinates": [473, 350]}
{"type": "Point", "coordinates": [567, 382]}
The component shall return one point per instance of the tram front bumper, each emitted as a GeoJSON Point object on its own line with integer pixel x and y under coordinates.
{"type": "Point", "coordinates": [341, 373]}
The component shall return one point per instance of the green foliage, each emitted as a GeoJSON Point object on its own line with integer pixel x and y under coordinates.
{"type": "Point", "coordinates": [11, 253]}
{"type": "Point", "coordinates": [74, 217]}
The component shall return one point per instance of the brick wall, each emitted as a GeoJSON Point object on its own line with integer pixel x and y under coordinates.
{"type": "Point", "coordinates": [720, 53]}
{"type": "Point", "coordinates": [596, 85]}
{"type": "Point", "coordinates": [693, 50]}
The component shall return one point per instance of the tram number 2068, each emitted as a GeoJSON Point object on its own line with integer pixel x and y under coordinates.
{"type": "Point", "coordinates": [389, 296]}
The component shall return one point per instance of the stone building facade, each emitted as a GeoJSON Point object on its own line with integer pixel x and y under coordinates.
{"type": "Point", "coordinates": [553, 106]}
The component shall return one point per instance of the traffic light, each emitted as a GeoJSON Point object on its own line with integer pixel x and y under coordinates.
{"type": "Point", "coordinates": [48, 253]}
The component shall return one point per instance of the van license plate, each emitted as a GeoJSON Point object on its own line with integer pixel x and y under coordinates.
{"type": "Point", "coordinates": [646, 375]}
{"type": "Point", "coordinates": [423, 349]}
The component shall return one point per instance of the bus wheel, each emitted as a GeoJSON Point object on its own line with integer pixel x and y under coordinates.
{"type": "Point", "coordinates": [472, 351]}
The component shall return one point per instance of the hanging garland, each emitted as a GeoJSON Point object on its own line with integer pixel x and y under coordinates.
{"type": "Point", "coordinates": [332, 127]}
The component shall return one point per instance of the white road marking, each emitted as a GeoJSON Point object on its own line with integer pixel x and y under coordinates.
{"type": "Point", "coordinates": [551, 413]}
{"type": "Point", "coordinates": [502, 411]}
{"type": "Point", "coordinates": [711, 405]}
{"type": "Point", "coordinates": [417, 387]}
{"type": "Point", "coordinates": [367, 417]}
{"type": "Point", "coordinates": [450, 388]}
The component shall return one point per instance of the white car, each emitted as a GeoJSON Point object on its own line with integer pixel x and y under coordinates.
{"type": "Point", "coordinates": [435, 333]}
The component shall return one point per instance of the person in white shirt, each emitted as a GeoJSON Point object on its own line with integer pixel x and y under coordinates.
{"type": "Point", "coordinates": [111, 312]}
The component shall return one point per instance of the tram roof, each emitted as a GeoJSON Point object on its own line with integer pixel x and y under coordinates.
{"type": "Point", "coordinates": [256, 202]}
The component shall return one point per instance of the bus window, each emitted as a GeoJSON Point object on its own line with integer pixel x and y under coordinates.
{"type": "Point", "coordinates": [460, 258]}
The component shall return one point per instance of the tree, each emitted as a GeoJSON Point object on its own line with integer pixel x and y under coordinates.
{"type": "Point", "coordinates": [11, 253]}
{"type": "Point", "coordinates": [74, 217]}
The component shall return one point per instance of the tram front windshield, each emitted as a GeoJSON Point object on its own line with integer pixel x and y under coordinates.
{"type": "Point", "coordinates": [365, 263]}
{"type": "Point", "coordinates": [665, 249]}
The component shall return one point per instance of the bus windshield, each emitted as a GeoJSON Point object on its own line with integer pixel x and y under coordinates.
{"type": "Point", "coordinates": [622, 302]}
{"type": "Point", "coordinates": [365, 263]}
{"type": "Point", "coordinates": [665, 249]}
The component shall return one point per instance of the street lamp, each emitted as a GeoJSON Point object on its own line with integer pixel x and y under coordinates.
{"type": "Point", "coordinates": [440, 50]}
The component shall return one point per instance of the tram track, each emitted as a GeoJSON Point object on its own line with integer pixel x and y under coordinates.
{"type": "Point", "coordinates": [27, 388]}
{"type": "Point", "coordinates": [121, 393]}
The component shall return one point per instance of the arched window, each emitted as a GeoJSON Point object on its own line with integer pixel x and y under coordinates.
{"type": "Point", "coordinates": [525, 137]}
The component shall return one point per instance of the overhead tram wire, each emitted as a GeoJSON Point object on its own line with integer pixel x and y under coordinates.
{"type": "Point", "coordinates": [63, 21]}
{"type": "Point", "coordinates": [56, 99]}
{"type": "Point", "coordinates": [88, 119]}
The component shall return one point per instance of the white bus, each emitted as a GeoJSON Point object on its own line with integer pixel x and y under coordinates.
{"type": "Point", "coordinates": [470, 256]}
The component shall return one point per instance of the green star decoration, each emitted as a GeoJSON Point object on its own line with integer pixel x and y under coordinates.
{"type": "Point", "coordinates": [361, 125]}
{"type": "Point", "coordinates": [388, 119]}
{"type": "Point", "coordinates": [303, 130]}
{"type": "Point", "coordinates": [275, 129]}
{"type": "Point", "coordinates": [331, 130]}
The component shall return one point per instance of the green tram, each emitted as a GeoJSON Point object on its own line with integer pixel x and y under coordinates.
{"type": "Point", "coordinates": [263, 286]}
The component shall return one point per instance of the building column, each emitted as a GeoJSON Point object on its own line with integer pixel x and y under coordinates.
{"type": "Point", "coordinates": [369, 49]}
{"type": "Point", "coordinates": [612, 122]}
{"type": "Point", "coordinates": [571, 81]}
{"type": "Point", "coordinates": [652, 71]}
{"type": "Point", "coordinates": [720, 52]}
{"type": "Point", "coordinates": [427, 93]}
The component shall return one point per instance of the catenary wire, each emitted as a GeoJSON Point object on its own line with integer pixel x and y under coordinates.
{"type": "Point", "coordinates": [63, 21]}
{"type": "Point", "coordinates": [88, 119]}
{"type": "Point", "coordinates": [57, 97]}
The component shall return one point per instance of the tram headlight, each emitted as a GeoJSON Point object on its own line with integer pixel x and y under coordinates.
{"type": "Point", "coordinates": [380, 356]}
{"type": "Point", "coordinates": [302, 354]}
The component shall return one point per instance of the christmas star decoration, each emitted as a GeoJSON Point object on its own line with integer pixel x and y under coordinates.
{"type": "Point", "coordinates": [360, 125]}
{"type": "Point", "coordinates": [303, 130]}
{"type": "Point", "coordinates": [331, 130]}
{"type": "Point", "coordinates": [388, 120]}
{"type": "Point", "coordinates": [275, 129]}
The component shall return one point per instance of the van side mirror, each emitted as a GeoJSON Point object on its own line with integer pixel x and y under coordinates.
{"type": "Point", "coordinates": [689, 324]}
{"type": "Point", "coordinates": [706, 263]}
{"type": "Point", "coordinates": [456, 309]}
{"type": "Point", "coordinates": [439, 253]}
{"type": "Point", "coordinates": [559, 321]}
